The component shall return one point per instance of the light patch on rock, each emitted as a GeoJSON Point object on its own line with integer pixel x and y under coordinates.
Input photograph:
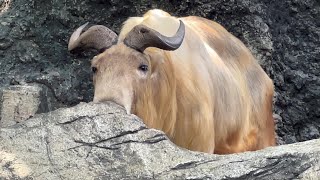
{"type": "Point", "coordinates": [10, 165]}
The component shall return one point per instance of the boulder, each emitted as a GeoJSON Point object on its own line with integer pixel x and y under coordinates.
{"type": "Point", "coordinates": [100, 141]}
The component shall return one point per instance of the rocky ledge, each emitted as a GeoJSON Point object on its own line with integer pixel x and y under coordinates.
{"type": "Point", "coordinates": [100, 141]}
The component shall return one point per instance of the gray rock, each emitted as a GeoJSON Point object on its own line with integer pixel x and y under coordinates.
{"type": "Point", "coordinates": [100, 141]}
{"type": "Point", "coordinates": [19, 103]}
{"type": "Point", "coordinates": [283, 35]}
{"type": "Point", "coordinates": [5, 43]}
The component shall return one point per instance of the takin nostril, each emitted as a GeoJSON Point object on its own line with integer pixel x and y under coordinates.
{"type": "Point", "coordinates": [143, 30]}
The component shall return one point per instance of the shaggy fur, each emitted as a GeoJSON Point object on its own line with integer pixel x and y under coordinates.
{"type": "Point", "coordinates": [210, 95]}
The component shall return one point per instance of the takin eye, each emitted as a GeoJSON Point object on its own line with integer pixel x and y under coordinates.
{"type": "Point", "coordinates": [94, 69]}
{"type": "Point", "coordinates": [143, 68]}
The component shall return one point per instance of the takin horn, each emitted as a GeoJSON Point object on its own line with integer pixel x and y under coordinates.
{"type": "Point", "coordinates": [96, 37]}
{"type": "Point", "coordinates": [142, 37]}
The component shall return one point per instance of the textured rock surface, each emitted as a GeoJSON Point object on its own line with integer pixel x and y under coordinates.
{"type": "Point", "coordinates": [284, 35]}
{"type": "Point", "coordinates": [20, 102]}
{"type": "Point", "coordinates": [99, 141]}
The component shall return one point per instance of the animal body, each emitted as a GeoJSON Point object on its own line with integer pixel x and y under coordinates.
{"type": "Point", "coordinates": [188, 77]}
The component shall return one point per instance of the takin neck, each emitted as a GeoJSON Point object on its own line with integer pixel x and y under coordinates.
{"type": "Point", "coordinates": [156, 102]}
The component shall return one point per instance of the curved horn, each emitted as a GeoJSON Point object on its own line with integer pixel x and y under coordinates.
{"type": "Point", "coordinates": [141, 37]}
{"type": "Point", "coordinates": [97, 37]}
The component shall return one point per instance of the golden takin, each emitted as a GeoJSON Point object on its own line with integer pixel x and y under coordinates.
{"type": "Point", "coordinates": [188, 77]}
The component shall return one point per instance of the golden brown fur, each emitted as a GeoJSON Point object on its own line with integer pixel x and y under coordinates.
{"type": "Point", "coordinates": [209, 95]}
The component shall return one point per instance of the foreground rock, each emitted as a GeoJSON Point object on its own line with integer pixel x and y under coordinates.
{"type": "Point", "coordinates": [98, 141]}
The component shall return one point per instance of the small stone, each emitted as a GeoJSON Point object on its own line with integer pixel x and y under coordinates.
{"type": "Point", "coordinates": [277, 118]}
{"type": "Point", "coordinates": [19, 103]}
{"type": "Point", "coordinates": [294, 10]}
{"type": "Point", "coordinates": [4, 23]}
{"type": "Point", "coordinates": [4, 30]}
{"type": "Point", "coordinates": [5, 43]}
{"type": "Point", "coordinates": [308, 131]}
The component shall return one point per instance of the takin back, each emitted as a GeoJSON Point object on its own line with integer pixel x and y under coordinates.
{"type": "Point", "coordinates": [188, 77]}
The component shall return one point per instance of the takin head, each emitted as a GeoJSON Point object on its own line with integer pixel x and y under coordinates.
{"type": "Point", "coordinates": [122, 71]}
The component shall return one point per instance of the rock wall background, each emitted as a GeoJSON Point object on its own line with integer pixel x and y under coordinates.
{"type": "Point", "coordinates": [283, 35]}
